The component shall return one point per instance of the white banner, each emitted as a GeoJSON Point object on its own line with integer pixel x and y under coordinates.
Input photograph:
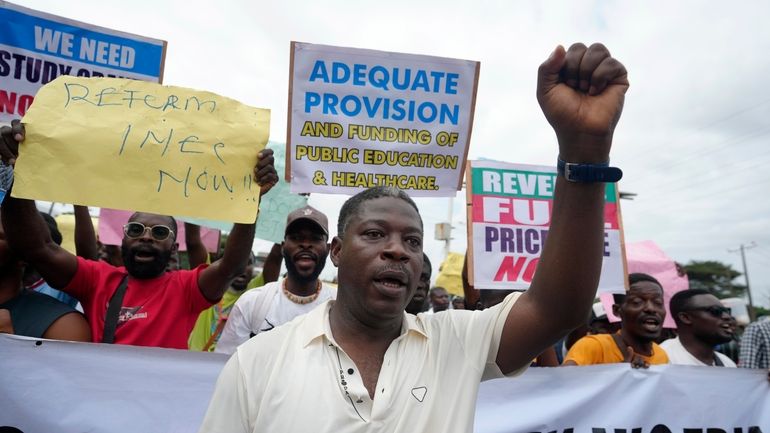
{"type": "Point", "coordinates": [78, 387]}
{"type": "Point", "coordinates": [68, 387]}
{"type": "Point", "coordinates": [363, 118]}
{"type": "Point", "coordinates": [615, 398]}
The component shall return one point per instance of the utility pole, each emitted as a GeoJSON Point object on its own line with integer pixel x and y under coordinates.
{"type": "Point", "coordinates": [743, 249]}
{"type": "Point", "coordinates": [447, 245]}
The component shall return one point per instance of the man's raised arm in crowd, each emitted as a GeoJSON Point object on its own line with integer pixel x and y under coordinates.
{"type": "Point", "coordinates": [86, 245]}
{"type": "Point", "coordinates": [271, 270]}
{"type": "Point", "coordinates": [196, 250]}
{"type": "Point", "coordinates": [581, 93]}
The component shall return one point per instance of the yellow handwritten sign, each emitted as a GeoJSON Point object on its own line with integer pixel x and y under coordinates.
{"type": "Point", "coordinates": [450, 274]}
{"type": "Point", "coordinates": [127, 144]}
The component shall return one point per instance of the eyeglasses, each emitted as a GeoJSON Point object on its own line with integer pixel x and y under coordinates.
{"type": "Point", "coordinates": [134, 230]}
{"type": "Point", "coordinates": [714, 310]}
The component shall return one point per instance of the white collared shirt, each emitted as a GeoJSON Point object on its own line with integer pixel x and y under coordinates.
{"type": "Point", "coordinates": [297, 379]}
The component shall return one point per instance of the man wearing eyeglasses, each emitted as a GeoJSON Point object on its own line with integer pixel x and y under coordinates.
{"type": "Point", "coordinates": [702, 322]}
{"type": "Point", "coordinates": [158, 307]}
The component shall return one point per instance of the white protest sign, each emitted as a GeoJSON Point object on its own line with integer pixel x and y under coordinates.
{"type": "Point", "coordinates": [362, 118]}
{"type": "Point", "coordinates": [509, 210]}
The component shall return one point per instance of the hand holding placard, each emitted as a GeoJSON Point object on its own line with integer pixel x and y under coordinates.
{"type": "Point", "coordinates": [10, 137]}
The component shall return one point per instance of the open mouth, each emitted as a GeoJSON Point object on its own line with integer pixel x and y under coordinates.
{"type": "Point", "coordinates": [241, 279]}
{"type": "Point", "coordinates": [391, 283]}
{"type": "Point", "coordinates": [651, 323]}
{"type": "Point", "coordinates": [144, 255]}
{"type": "Point", "coordinates": [305, 259]}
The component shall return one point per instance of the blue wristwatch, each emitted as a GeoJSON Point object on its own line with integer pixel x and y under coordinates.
{"type": "Point", "coordinates": [588, 173]}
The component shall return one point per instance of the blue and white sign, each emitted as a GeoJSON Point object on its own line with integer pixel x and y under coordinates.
{"type": "Point", "coordinates": [36, 47]}
{"type": "Point", "coordinates": [363, 118]}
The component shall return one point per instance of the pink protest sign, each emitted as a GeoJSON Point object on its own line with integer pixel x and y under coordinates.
{"type": "Point", "coordinates": [646, 257]}
{"type": "Point", "coordinates": [111, 224]}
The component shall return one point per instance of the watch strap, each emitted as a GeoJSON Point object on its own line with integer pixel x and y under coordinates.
{"type": "Point", "coordinates": [588, 173]}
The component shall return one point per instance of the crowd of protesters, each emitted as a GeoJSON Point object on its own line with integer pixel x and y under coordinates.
{"type": "Point", "coordinates": [137, 294]}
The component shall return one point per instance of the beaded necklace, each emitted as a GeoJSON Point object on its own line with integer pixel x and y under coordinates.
{"type": "Point", "coordinates": [302, 300]}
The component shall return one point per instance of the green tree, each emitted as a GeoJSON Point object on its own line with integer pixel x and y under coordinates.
{"type": "Point", "coordinates": [761, 311]}
{"type": "Point", "coordinates": [716, 277]}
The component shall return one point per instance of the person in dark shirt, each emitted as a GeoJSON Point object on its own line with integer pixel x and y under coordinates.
{"type": "Point", "coordinates": [32, 314]}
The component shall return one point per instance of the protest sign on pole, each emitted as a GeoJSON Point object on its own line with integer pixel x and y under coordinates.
{"type": "Point", "coordinates": [36, 47]}
{"type": "Point", "coordinates": [509, 209]}
{"type": "Point", "coordinates": [160, 149]}
{"type": "Point", "coordinates": [362, 118]}
{"type": "Point", "coordinates": [276, 206]}
{"type": "Point", "coordinates": [450, 274]}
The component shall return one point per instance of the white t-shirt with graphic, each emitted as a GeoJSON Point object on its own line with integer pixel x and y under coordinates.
{"type": "Point", "coordinates": [241, 324]}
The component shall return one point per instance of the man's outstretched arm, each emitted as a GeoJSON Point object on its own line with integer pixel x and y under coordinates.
{"type": "Point", "coordinates": [214, 280]}
{"type": "Point", "coordinates": [25, 229]}
{"type": "Point", "coordinates": [196, 250]}
{"type": "Point", "coordinates": [85, 235]}
{"type": "Point", "coordinates": [581, 92]}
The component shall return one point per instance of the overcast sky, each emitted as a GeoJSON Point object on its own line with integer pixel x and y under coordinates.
{"type": "Point", "coordinates": [692, 139]}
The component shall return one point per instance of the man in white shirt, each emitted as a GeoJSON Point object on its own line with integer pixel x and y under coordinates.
{"type": "Point", "coordinates": [305, 248]}
{"type": "Point", "coordinates": [361, 364]}
{"type": "Point", "coordinates": [702, 322]}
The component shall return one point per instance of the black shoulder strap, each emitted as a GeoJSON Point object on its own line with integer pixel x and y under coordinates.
{"type": "Point", "coordinates": [619, 342]}
{"type": "Point", "coordinates": [113, 311]}
{"type": "Point", "coordinates": [718, 362]}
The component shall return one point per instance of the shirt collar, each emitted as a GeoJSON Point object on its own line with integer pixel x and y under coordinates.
{"type": "Point", "coordinates": [316, 325]}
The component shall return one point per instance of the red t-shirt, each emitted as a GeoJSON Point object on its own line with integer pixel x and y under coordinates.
{"type": "Point", "coordinates": [156, 312]}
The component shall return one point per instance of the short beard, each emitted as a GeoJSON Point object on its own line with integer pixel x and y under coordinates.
{"type": "Point", "coordinates": [145, 270]}
{"type": "Point", "coordinates": [302, 279]}
{"type": "Point", "coordinates": [240, 287]}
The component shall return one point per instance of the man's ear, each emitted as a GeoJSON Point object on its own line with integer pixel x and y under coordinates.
{"type": "Point", "coordinates": [175, 248]}
{"type": "Point", "coordinates": [684, 318]}
{"type": "Point", "coordinates": [335, 250]}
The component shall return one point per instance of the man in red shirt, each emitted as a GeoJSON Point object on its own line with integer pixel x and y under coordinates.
{"type": "Point", "coordinates": [159, 308]}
